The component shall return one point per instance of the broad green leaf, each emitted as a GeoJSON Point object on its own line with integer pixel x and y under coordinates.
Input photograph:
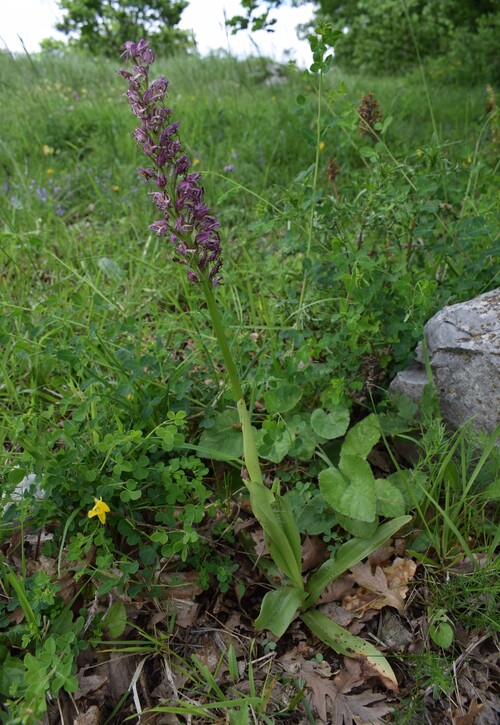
{"type": "Point", "coordinates": [442, 634]}
{"type": "Point", "coordinates": [16, 475]}
{"type": "Point", "coordinates": [312, 514]}
{"type": "Point", "coordinates": [349, 554]}
{"type": "Point", "coordinates": [304, 439]}
{"type": "Point", "coordinates": [283, 551]}
{"type": "Point", "coordinates": [390, 501]}
{"type": "Point", "coordinates": [12, 672]}
{"type": "Point", "coordinates": [333, 485]}
{"type": "Point", "coordinates": [115, 620]}
{"type": "Point", "coordinates": [283, 397]}
{"type": "Point", "coordinates": [368, 152]}
{"type": "Point", "coordinates": [273, 441]}
{"type": "Point", "coordinates": [359, 500]}
{"type": "Point", "coordinates": [347, 644]}
{"type": "Point", "coordinates": [330, 425]}
{"type": "Point", "coordinates": [224, 439]}
{"type": "Point", "coordinates": [361, 529]}
{"type": "Point", "coordinates": [411, 485]}
{"type": "Point", "coordinates": [285, 516]}
{"type": "Point", "coordinates": [362, 437]}
{"type": "Point", "coordinates": [278, 609]}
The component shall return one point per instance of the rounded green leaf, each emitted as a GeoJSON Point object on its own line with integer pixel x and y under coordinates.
{"type": "Point", "coordinates": [330, 425]}
{"type": "Point", "coordinates": [442, 634]}
{"type": "Point", "coordinates": [362, 437]}
{"type": "Point", "coordinates": [283, 397]}
{"type": "Point", "coordinates": [332, 485]}
{"type": "Point", "coordinates": [390, 501]}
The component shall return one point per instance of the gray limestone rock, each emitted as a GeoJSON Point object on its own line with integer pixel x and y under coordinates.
{"type": "Point", "coordinates": [463, 341]}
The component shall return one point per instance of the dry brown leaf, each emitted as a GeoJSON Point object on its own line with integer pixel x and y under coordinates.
{"type": "Point", "coordinates": [119, 670]}
{"type": "Point", "coordinates": [184, 587]}
{"type": "Point", "coordinates": [91, 717]}
{"type": "Point", "coordinates": [186, 612]}
{"type": "Point", "coordinates": [331, 698]}
{"type": "Point", "coordinates": [260, 543]}
{"type": "Point", "coordinates": [470, 717]}
{"type": "Point", "coordinates": [393, 633]}
{"type": "Point", "coordinates": [385, 587]}
{"type": "Point", "coordinates": [381, 555]}
{"type": "Point", "coordinates": [399, 573]}
{"type": "Point", "coordinates": [338, 614]}
{"type": "Point", "coordinates": [313, 552]}
{"type": "Point", "coordinates": [374, 591]}
{"type": "Point", "coordinates": [182, 584]}
{"type": "Point", "coordinates": [90, 684]}
{"type": "Point", "coordinates": [337, 590]}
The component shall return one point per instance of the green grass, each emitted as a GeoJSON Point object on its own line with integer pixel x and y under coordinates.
{"type": "Point", "coordinates": [111, 380]}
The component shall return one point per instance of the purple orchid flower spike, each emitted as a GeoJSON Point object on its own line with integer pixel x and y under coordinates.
{"type": "Point", "coordinates": [186, 221]}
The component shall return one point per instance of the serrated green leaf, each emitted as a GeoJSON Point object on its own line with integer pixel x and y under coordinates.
{"type": "Point", "coordinates": [278, 609]}
{"type": "Point", "coordinates": [362, 437]}
{"type": "Point", "coordinates": [390, 501]}
{"type": "Point", "coordinates": [330, 425]}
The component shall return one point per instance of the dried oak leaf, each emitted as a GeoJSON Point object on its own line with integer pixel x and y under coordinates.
{"type": "Point", "coordinates": [383, 588]}
{"type": "Point", "coordinates": [337, 590]}
{"type": "Point", "coordinates": [91, 717]}
{"type": "Point", "coordinates": [183, 588]}
{"type": "Point", "coordinates": [470, 716]}
{"type": "Point", "coordinates": [331, 698]}
{"type": "Point", "coordinates": [313, 552]}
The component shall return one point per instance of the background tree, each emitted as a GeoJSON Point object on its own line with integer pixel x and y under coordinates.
{"type": "Point", "coordinates": [101, 26]}
{"type": "Point", "coordinates": [381, 36]}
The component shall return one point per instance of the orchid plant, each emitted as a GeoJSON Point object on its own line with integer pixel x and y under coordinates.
{"type": "Point", "coordinates": [191, 229]}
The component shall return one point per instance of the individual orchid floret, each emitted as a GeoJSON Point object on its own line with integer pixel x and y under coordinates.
{"type": "Point", "coordinates": [186, 221]}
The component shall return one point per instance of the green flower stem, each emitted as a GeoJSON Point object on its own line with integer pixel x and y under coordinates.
{"type": "Point", "coordinates": [249, 448]}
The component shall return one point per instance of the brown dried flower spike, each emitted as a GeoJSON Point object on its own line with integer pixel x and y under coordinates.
{"type": "Point", "coordinates": [369, 114]}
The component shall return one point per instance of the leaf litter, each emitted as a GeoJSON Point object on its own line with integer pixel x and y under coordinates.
{"type": "Point", "coordinates": [371, 598]}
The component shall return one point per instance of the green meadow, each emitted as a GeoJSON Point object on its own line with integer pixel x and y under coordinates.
{"type": "Point", "coordinates": [340, 238]}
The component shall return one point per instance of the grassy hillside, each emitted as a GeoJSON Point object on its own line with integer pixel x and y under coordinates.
{"type": "Point", "coordinates": [345, 225]}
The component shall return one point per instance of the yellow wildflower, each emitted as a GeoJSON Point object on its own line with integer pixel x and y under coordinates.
{"type": "Point", "coordinates": [50, 171]}
{"type": "Point", "coordinates": [100, 510]}
{"type": "Point", "coordinates": [116, 187]}
{"type": "Point", "coordinates": [322, 146]}
{"type": "Point", "coordinates": [196, 162]}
